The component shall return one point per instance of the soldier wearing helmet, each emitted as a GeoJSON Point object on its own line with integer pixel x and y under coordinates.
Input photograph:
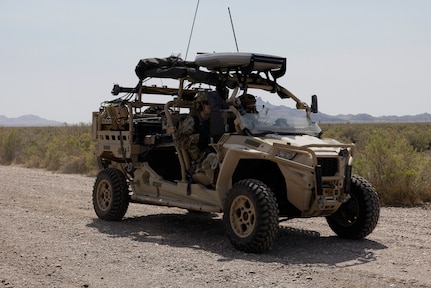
{"type": "Point", "coordinates": [194, 132]}
{"type": "Point", "coordinates": [248, 103]}
{"type": "Point", "coordinates": [194, 135]}
{"type": "Point", "coordinates": [201, 105]}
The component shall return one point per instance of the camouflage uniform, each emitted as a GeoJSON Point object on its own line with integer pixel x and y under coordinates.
{"type": "Point", "coordinates": [194, 136]}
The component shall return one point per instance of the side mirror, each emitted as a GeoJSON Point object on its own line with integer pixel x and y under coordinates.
{"type": "Point", "coordinates": [314, 106]}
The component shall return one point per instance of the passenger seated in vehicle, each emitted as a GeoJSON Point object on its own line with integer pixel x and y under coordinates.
{"type": "Point", "coordinates": [194, 135]}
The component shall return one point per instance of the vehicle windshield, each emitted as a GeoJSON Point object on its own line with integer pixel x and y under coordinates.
{"type": "Point", "coordinates": [284, 124]}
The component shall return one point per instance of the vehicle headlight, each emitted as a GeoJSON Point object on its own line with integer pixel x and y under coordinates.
{"type": "Point", "coordinates": [289, 155]}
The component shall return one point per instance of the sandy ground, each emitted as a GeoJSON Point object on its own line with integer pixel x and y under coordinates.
{"type": "Point", "coordinates": [51, 237]}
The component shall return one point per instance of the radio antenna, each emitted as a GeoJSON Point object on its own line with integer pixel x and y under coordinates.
{"type": "Point", "coordinates": [233, 30]}
{"type": "Point", "coordinates": [191, 32]}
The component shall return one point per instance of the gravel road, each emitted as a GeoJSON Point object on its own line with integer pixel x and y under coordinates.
{"type": "Point", "coordinates": [51, 237]}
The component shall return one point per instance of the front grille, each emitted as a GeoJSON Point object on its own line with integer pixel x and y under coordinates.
{"type": "Point", "coordinates": [329, 166]}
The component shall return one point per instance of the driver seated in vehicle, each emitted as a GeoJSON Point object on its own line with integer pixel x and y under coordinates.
{"type": "Point", "coordinates": [248, 103]}
{"type": "Point", "coordinates": [194, 136]}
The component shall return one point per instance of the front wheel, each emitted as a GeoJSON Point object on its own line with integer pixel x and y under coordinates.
{"type": "Point", "coordinates": [358, 217]}
{"type": "Point", "coordinates": [251, 216]}
{"type": "Point", "coordinates": [110, 195]}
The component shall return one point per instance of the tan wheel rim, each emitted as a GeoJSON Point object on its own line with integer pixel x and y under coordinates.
{"type": "Point", "coordinates": [242, 216]}
{"type": "Point", "coordinates": [104, 195]}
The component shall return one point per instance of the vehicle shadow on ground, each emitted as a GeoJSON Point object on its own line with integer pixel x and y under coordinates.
{"type": "Point", "coordinates": [206, 231]}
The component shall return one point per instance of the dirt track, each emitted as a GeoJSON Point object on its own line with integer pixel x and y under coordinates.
{"type": "Point", "coordinates": [50, 237]}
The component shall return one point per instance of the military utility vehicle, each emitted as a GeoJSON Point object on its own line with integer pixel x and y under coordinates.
{"type": "Point", "coordinates": [270, 166]}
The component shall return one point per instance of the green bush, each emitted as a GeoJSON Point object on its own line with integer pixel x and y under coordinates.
{"type": "Point", "coordinates": [395, 158]}
{"type": "Point", "coordinates": [67, 149]}
{"type": "Point", "coordinates": [397, 170]}
{"type": "Point", "coordinates": [10, 145]}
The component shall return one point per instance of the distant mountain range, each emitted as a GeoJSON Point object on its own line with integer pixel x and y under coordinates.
{"type": "Point", "coordinates": [36, 121]}
{"type": "Point", "coordinates": [341, 118]}
{"type": "Point", "coordinates": [27, 121]}
{"type": "Point", "coordinates": [366, 118]}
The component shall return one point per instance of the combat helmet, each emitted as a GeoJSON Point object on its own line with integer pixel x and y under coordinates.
{"type": "Point", "coordinates": [200, 99]}
{"type": "Point", "coordinates": [248, 103]}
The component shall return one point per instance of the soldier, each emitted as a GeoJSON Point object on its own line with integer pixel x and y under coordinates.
{"type": "Point", "coordinates": [248, 103]}
{"type": "Point", "coordinates": [249, 115]}
{"type": "Point", "coordinates": [194, 135]}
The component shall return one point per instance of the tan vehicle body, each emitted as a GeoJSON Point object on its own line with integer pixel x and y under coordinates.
{"type": "Point", "coordinates": [148, 187]}
{"type": "Point", "coordinates": [308, 176]}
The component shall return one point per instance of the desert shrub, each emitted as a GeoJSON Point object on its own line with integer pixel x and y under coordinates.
{"type": "Point", "coordinates": [397, 170]}
{"type": "Point", "coordinates": [419, 136]}
{"type": "Point", "coordinates": [10, 145]}
{"type": "Point", "coordinates": [35, 148]}
{"type": "Point", "coordinates": [395, 158]}
{"type": "Point", "coordinates": [79, 154]}
{"type": "Point", "coordinates": [66, 149]}
{"type": "Point", "coordinates": [71, 150]}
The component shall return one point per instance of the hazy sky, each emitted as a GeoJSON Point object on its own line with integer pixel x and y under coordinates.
{"type": "Point", "coordinates": [59, 59]}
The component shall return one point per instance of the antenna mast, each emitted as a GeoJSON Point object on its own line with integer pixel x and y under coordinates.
{"type": "Point", "coordinates": [191, 32]}
{"type": "Point", "coordinates": [233, 30]}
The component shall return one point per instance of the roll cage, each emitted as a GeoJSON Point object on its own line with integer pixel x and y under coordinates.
{"type": "Point", "coordinates": [248, 71]}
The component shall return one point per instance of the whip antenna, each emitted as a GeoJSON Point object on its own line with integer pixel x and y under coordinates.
{"type": "Point", "coordinates": [191, 32]}
{"type": "Point", "coordinates": [233, 30]}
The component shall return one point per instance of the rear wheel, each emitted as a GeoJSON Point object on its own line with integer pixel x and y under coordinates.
{"type": "Point", "coordinates": [358, 217]}
{"type": "Point", "coordinates": [251, 216]}
{"type": "Point", "coordinates": [110, 195]}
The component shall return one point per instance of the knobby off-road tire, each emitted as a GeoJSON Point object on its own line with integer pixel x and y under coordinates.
{"type": "Point", "coordinates": [251, 216]}
{"type": "Point", "coordinates": [110, 195]}
{"type": "Point", "coordinates": [358, 217]}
